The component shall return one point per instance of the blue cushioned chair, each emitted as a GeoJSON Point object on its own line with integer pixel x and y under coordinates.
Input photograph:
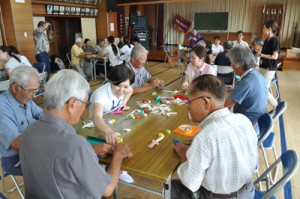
{"type": "Point", "coordinates": [40, 66]}
{"type": "Point", "coordinates": [266, 138]}
{"type": "Point", "coordinates": [281, 107]}
{"type": "Point", "coordinates": [289, 162]}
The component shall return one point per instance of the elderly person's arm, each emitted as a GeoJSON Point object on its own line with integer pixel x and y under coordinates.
{"type": "Point", "coordinates": [122, 151]}
{"type": "Point", "coordinates": [125, 100]}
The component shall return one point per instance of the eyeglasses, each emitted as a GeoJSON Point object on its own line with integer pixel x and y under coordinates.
{"type": "Point", "coordinates": [30, 91]}
{"type": "Point", "coordinates": [87, 104]}
{"type": "Point", "coordinates": [188, 103]}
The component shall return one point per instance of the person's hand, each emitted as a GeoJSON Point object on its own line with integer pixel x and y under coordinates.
{"type": "Point", "coordinates": [155, 82]}
{"type": "Point", "coordinates": [124, 150]}
{"type": "Point", "coordinates": [124, 107]}
{"type": "Point", "coordinates": [194, 38]}
{"type": "Point", "coordinates": [181, 150]}
{"type": "Point", "coordinates": [258, 54]}
{"type": "Point", "coordinates": [103, 149]}
{"type": "Point", "coordinates": [185, 85]}
{"type": "Point", "coordinates": [189, 141]}
{"type": "Point", "coordinates": [111, 138]}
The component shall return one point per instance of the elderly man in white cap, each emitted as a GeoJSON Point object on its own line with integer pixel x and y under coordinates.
{"type": "Point", "coordinates": [84, 69]}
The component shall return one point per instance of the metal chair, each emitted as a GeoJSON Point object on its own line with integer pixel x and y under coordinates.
{"type": "Point", "coordinates": [68, 55]}
{"type": "Point", "coordinates": [281, 107]}
{"type": "Point", "coordinates": [43, 79]}
{"type": "Point", "coordinates": [289, 162]}
{"type": "Point", "coordinates": [226, 74]}
{"type": "Point", "coordinates": [40, 66]}
{"type": "Point", "coordinates": [16, 185]}
{"type": "Point", "coordinates": [169, 57]}
{"type": "Point", "coordinates": [266, 140]}
{"type": "Point", "coordinates": [4, 85]}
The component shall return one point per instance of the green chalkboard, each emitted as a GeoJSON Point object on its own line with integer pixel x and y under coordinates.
{"type": "Point", "coordinates": [211, 21]}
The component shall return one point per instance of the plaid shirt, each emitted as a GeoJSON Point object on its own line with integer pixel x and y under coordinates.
{"type": "Point", "coordinates": [223, 155]}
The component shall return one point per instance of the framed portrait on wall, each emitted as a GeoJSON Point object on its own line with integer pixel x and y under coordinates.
{"type": "Point", "coordinates": [49, 9]}
{"type": "Point", "coordinates": [91, 12]}
{"type": "Point", "coordinates": [67, 10]}
{"type": "Point", "coordinates": [77, 11]}
{"type": "Point", "coordinates": [61, 10]}
{"type": "Point", "coordinates": [73, 10]}
{"type": "Point", "coordinates": [71, 1]}
{"type": "Point", "coordinates": [76, 1]}
{"type": "Point", "coordinates": [82, 11]}
{"type": "Point", "coordinates": [55, 9]}
{"type": "Point", "coordinates": [87, 12]}
{"type": "Point", "coordinates": [95, 12]}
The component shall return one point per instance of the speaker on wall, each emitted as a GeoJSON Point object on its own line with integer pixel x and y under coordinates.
{"type": "Point", "coordinates": [133, 18]}
{"type": "Point", "coordinates": [111, 6]}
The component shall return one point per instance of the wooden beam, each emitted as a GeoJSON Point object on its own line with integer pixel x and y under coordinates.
{"type": "Point", "coordinates": [157, 2]}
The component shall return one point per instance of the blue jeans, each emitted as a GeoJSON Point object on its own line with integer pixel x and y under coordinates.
{"type": "Point", "coordinates": [10, 167]}
{"type": "Point", "coordinates": [44, 57]}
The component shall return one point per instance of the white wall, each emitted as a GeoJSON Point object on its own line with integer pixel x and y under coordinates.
{"type": "Point", "coordinates": [88, 27]}
{"type": "Point", "coordinates": [36, 20]}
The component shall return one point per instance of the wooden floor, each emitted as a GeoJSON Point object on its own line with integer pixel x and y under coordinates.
{"type": "Point", "coordinates": [289, 83]}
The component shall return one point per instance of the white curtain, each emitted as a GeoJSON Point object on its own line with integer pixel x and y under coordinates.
{"type": "Point", "coordinates": [244, 15]}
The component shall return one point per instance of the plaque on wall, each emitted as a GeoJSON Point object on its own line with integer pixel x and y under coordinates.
{"type": "Point", "coordinates": [55, 10]}
{"type": "Point", "coordinates": [76, 1]}
{"type": "Point", "coordinates": [67, 10]}
{"type": "Point", "coordinates": [49, 9]}
{"type": "Point", "coordinates": [81, 1]}
{"type": "Point", "coordinates": [71, 1]}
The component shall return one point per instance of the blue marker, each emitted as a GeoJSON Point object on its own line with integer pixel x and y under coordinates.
{"type": "Point", "coordinates": [175, 141]}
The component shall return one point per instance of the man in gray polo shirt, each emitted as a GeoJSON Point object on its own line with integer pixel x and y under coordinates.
{"type": "Point", "coordinates": [58, 163]}
{"type": "Point", "coordinates": [136, 64]}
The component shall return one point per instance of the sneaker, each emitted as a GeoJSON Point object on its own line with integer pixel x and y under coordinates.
{"type": "Point", "coordinates": [125, 177]}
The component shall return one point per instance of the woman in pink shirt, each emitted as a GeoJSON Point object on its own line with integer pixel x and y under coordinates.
{"type": "Point", "coordinates": [197, 66]}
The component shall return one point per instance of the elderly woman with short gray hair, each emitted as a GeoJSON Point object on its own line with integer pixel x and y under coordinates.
{"type": "Point", "coordinates": [250, 94]}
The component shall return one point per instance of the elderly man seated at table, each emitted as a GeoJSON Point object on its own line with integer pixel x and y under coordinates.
{"type": "Point", "coordinates": [250, 94]}
{"type": "Point", "coordinates": [84, 68]}
{"type": "Point", "coordinates": [222, 157]}
{"type": "Point", "coordinates": [136, 64]}
{"type": "Point", "coordinates": [17, 111]}
{"type": "Point", "coordinates": [58, 163]}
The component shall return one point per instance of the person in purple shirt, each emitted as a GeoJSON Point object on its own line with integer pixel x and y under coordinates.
{"type": "Point", "coordinates": [194, 36]}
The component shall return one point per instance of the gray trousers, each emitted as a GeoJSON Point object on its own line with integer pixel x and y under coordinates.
{"type": "Point", "coordinates": [179, 191]}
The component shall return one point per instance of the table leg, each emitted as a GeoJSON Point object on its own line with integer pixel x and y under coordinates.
{"type": "Point", "coordinates": [116, 193]}
{"type": "Point", "coordinates": [105, 72]}
{"type": "Point", "coordinates": [167, 189]}
{"type": "Point", "coordinates": [94, 64]}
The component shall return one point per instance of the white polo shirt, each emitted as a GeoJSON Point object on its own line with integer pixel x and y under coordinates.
{"type": "Point", "coordinates": [104, 95]}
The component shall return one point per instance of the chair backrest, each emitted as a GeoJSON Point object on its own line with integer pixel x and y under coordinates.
{"type": "Point", "coordinates": [40, 66]}
{"type": "Point", "coordinates": [124, 57]}
{"type": "Point", "coordinates": [4, 85]}
{"type": "Point", "coordinates": [265, 124]}
{"type": "Point", "coordinates": [68, 55]}
{"type": "Point", "coordinates": [279, 110]}
{"type": "Point", "coordinates": [166, 49]}
{"type": "Point", "coordinates": [226, 74]}
{"type": "Point", "coordinates": [289, 162]}
{"type": "Point", "coordinates": [43, 79]}
{"type": "Point", "coordinates": [224, 69]}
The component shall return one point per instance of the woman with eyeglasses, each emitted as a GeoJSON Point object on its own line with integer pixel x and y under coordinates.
{"type": "Point", "coordinates": [112, 96]}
